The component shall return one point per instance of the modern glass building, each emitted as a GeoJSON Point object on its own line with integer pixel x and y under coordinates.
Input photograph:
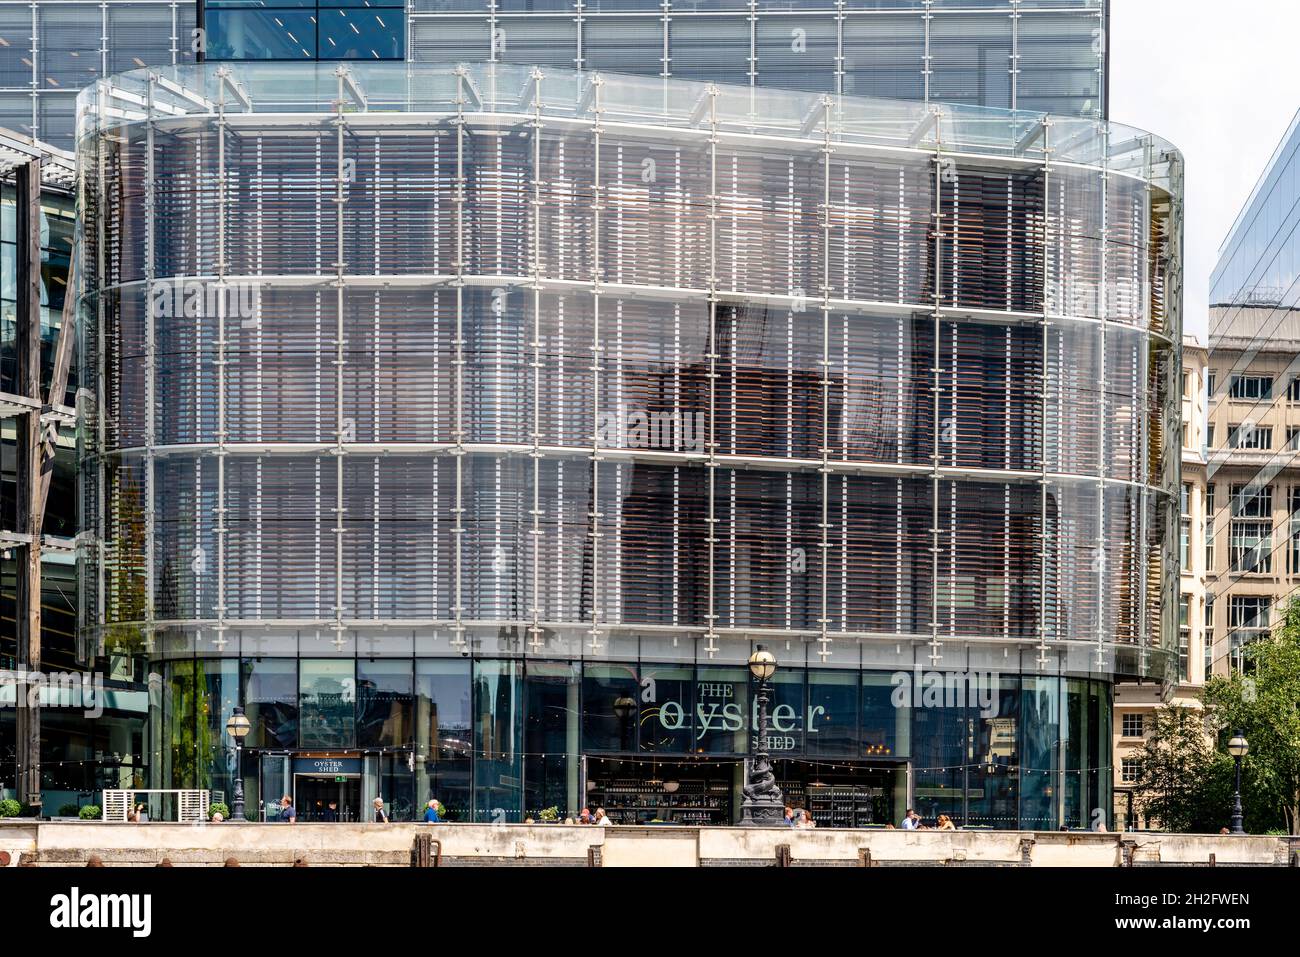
{"type": "Point", "coordinates": [50, 49]}
{"type": "Point", "coordinates": [1252, 490]}
{"type": "Point", "coordinates": [1045, 55]}
{"type": "Point", "coordinates": [470, 425]}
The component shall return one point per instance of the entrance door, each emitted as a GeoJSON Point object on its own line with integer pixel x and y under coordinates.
{"type": "Point", "coordinates": [327, 797]}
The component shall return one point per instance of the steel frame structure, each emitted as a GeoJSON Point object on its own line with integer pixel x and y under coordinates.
{"type": "Point", "coordinates": [38, 412]}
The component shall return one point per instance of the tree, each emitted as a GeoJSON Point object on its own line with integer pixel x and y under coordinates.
{"type": "Point", "coordinates": [1263, 702]}
{"type": "Point", "coordinates": [1180, 782]}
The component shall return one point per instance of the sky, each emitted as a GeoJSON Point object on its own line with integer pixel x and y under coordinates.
{"type": "Point", "coordinates": [1221, 81]}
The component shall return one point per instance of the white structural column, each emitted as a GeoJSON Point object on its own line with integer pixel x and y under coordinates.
{"type": "Point", "coordinates": [219, 362]}
{"type": "Point", "coordinates": [1102, 305]}
{"type": "Point", "coordinates": [824, 545]}
{"type": "Point", "coordinates": [150, 359]}
{"type": "Point", "coordinates": [340, 421]}
{"type": "Point", "coordinates": [711, 461]}
{"type": "Point", "coordinates": [944, 169]}
{"type": "Point", "coordinates": [458, 428]}
{"type": "Point", "coordinates": [535, 275]}
{"type": "Point", "coordinates": [593, 517]}
{"type": "Point", "coordinates": [1045, 540]}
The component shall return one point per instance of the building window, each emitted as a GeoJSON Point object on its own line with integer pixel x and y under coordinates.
{"type": "Point", "coordinates": [1293, 390]}
{"type": "Point", "coordinates": [1248, 435]}
{"type": "Point", "coordinates": [1211, 380]}
{"type": "Point", "coordinates": [1292, 434]}
{"type": "Point", "coordinates": [1251, 387]}
{"type": "Point", "coordinates": [1187, 390]}
{"type": "Point", "coordinates": [1250, 535]}
{"type": "Point", "coordinates": [1184, 638]}
{"type": "Point", "coordinates": [1128, 770]}
{"type": "Point", "coordinates": [1293, 520]}
{"type": "Point", "coordinates": [1133, 724]}
{"type": "Point", "coordinates": [307, 30]}
{"type": "Point", "coordinates": [1247, 622]}
{"type": "Point", "coordinates": [1209, 635]}
{"type": "Point", "coordinates": [1185, 527]}
{"type": "Point", "coordinates": [1209, 528]}
{"type": "Point", "coordinates": [1209, 435]}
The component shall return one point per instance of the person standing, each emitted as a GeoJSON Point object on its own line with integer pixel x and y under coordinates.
{"type": "Point", "coordinates": [381, 816]}
{"type": "Point", "coordinates": [433, 812]}
{"type": "Point", "coordinates": [331, 812]}
{"type": "Point", "coordinates": [288, 813]}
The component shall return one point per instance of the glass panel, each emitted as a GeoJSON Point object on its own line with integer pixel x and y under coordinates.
{"type": "Point", "coordinates": [1040, 712]}
{"type": "Point", "coordinates": [833, 709]}
{"type": "Point", "coordinates": [551, 738]}
{"type": "Point", "coordinates": [723, 716]}
{"type": "Point", "coordinates": [261, 35]}
{"type": "Point", "coordinates": [667, 708]}
{"type": "Point", "coordinates": [271, 702]}
{"type": "Point", "coordinates": [384, 704]}
{"type": "Point", "coordinates": [327, 697]}
{"type": "Point", "coordinates": [498, 723]}
{"type": "Point", "coordinates": [362, 34]}
{"type": "Point", "coordinates": [444, 735]}
{"type": "Point", "coordinates": [611, 707]}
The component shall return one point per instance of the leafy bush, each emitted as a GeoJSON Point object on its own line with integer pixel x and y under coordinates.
{"type": "Point", "coordinates": [10, 808]}
{"type": "Point", "coordinates": [91, 812]}
{"type": "Point", "coordinates": [218, 808]}
{"type": "Point", "coordinates": [549, 815]}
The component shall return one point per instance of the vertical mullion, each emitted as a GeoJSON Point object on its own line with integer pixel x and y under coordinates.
{"type": "Point", "coordinates": [340, 423]}
{"type": "Point", "coordinates": [458, 429]}
{"type": "Point", "coordinates": [535, 273]}
{"type": "Point", "coordinates": [711, 521]}
{"type": "Point", "coordinates": [220, 362]}
{"type": "Point", "coordinates": [823, 639]}
{"type": "Point", "coordinates": [594, 516]}
{"type": "Point", "coordinates": [151, 357]}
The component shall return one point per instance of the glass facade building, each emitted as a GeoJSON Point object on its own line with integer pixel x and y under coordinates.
{"type": "Point", "coordinates": [51, 49]}
{"type": "Point", "coordinates": [1253, 413]}
{"type": "Point", "coordinates": [473, 424]}
{"type": "Point", "coordinates": [1042, 55]}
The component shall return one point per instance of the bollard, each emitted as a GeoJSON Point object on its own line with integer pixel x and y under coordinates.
{"type": "Point", "coordinates": [783, 855]}
{"type": "Point", "coordinates": [864, 857]}
{"type": "Point", "coordinates": [426, 852]}
{"type": "Point", "coordinates": [593, 856]}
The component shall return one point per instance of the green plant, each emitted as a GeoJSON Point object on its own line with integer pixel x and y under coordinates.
{"type": "Point", "coordinates": [1260, 702]}
{"type": "Point", "coordinates": [218, 808]}
{"type": "Point", "coordinates": [69, 810]}
{"type": "Point", "coordinates": [549, 815]}
{"type": "Point", "coordinates": [10, 808]}
{"type": "Point", "coordinates": [91, 812]}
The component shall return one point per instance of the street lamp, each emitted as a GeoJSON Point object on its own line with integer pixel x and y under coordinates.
{"type": "Point", "coordinates": [1237, 747]}
{"type": "Point", "coordinates": [763, 806]}
{"type": "Point", "coordinates": [237, 727]}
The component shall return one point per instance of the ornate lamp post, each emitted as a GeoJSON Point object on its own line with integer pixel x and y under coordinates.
{"type": "Point", "coordinates": [1237, 747]}
{"type": "Point", "coordinates": [237, 727]}
{"type": "Point", "coordinates": [763, 806]}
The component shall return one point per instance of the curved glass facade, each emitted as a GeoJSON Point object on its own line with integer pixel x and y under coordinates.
{"type": "Point", "coordinates": [494, 363]}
